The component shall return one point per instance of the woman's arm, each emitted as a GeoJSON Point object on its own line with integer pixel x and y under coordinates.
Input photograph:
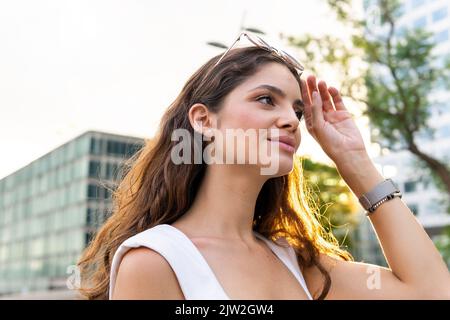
{"type": "Point", "coordinates": [417, 270]}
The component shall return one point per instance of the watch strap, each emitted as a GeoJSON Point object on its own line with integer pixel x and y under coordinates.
{"type": "Point", "coordinates": [381, 191]}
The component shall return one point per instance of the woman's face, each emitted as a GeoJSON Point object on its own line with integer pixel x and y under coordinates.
{"type": "Point", "coordinates": [269, 100]}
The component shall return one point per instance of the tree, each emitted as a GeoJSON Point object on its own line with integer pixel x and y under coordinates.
{"type": "Point", "coordinates": [392, 72]}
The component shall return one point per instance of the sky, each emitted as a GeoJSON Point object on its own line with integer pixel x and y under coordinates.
{"type": "Point", "coordinates": [71, 66]}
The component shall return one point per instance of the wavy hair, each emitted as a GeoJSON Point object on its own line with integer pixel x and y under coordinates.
{"type": "Point", "coordinates": [153, 190]}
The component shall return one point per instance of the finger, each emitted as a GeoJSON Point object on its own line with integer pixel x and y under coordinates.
{"type": "Point", "coordinates": [317, 112]}
{"type": "Point", "coordinates": [305, 93]}
{"type": "Point", "coordinates": [312, 86]}
{"type": "Point", "coordinates": [307, 104]}
{"type": "Point", "coordinates": [337, 99]}
{"type": "Point", "coordinates": [326, 98]}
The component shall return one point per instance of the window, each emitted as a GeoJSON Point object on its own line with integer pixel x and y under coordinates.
{"type": "Point", "coordinates": [76, 217]}
{"type": "Point", "coordinates": [70, 151]}
{"type": "Point", "coordinates": [65, 153]}
{"type": "Point", "coordinates": [88, 237]}
{"type": "Point", "coordinates": [94, 169]}
{"type": "Point", "coordinates": [77, 243]}
{"type": "Point", "coordinates": [417, 3]}
{"type": "Point", "coordinates": [410, 186]}
{"type": "Point", "coordinates": [439, 14]}
{"type": "Point", "coordinates": [420, 23]}
{"type": "Point", "coordinates": [93, 192]}
{"type": "Point", "coordinates": [132, 148]}
{"type": "Point", "coordinates": [96, 192]}
{"type": "Point", "coordinates": [59, 156]}
{"type": "Point", "coordinates": [65, 172]}
{"type": "Point", "coordinates": [95, 217]}
{"type": "Point", "coordinates": [37, 247]}
{"type": "Point", "coordinates": [60, 177]}
{"type": "Point", "coordinates": [82, 146]}
{"type": "Point", "coordinates": [35, 266]}
{"type": "Point", "coordinates": [80, 169]}
{"type": "Point", "coordinates": [89, 216]}
{"type": "Point", "coordinates": [96, 146]}
{"type": "Point", "coordinates": [108, 193]}
{"type": "Point", "coordinates": [54, 179]}
{"type": "Point", "coordinates": [116, 148]}
{"type": "Point", "coordinates": [80, 191]}
{"type": "Point", "coordinates": [51, 267]}
{"type": "Point", "coordinates": [111, 171]}
{"type": "Point", "coordinates": [414, 208]}
{"type": "Point", "coordinates": [441, 36]}
{"type": "Point", "coordinates": [41, 185]}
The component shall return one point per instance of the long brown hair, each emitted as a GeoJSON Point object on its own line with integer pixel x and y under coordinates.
{"type": "Point", "coordinates": [154, 190]}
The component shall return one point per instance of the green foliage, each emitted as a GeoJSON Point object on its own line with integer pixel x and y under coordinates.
{"type": "Point", "coordinates": [393, 72]}
{"type": "Point", "coordinates": [334, 199]}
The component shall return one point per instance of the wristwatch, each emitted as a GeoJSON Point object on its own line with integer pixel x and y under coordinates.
{"type": "Point", "coordinates": [383, 192]}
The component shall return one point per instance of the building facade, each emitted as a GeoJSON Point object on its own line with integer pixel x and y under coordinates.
{"type": "Point", "coordinates": [50, 209]}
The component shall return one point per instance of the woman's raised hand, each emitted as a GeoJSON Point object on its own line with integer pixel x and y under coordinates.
{"type": "Point", "coordinates": [329, 121]}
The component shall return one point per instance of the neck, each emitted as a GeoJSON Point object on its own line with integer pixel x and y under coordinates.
{"type": "Point", "coordinates": [225, 203]}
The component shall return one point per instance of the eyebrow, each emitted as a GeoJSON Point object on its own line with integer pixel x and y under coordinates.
{"type": "Point", "coordinates": [279, 92]}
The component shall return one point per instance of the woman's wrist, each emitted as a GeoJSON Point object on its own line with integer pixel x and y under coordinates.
{"type": "Point", "coordinates": [359, 172]}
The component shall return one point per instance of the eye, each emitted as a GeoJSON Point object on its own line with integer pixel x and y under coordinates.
{"type": "Point", "coordinates": [266, 97]}
{"type": "Point", "coordinates": [299, 114]}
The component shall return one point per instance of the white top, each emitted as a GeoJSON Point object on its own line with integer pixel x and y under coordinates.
{"type": "Point", "coordinates": [196, 278]}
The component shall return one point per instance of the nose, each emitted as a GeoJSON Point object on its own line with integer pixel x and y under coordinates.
{"type": "Point", "coordinates": [288, 120]}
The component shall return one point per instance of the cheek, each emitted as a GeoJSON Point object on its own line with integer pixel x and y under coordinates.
{"type": "Point", "coordinates": [246, 117]}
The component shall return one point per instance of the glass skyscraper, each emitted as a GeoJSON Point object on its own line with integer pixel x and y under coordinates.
{"type": "Point", "coordinates": [50, 209]}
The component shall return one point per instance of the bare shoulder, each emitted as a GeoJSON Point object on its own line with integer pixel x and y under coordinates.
{"type": "Point", "coordinates": [145, 274]}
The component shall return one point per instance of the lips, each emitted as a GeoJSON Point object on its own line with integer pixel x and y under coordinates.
{"type": "Point", "coordinates": [285, 142]}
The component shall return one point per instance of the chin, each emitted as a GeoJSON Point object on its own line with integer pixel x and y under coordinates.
{"type": "Point", "coordinates": [284, 167]}
{"type": "Point", "coordinates": [281, 161]}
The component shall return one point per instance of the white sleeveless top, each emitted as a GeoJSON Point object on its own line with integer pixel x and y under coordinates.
{"type": "Point", "coordinates": [197, 280]}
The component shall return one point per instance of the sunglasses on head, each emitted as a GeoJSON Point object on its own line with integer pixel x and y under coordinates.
{"type": "Point", "coordinates": [260, 43]}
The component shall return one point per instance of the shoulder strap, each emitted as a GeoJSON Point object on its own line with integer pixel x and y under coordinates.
{"type": "Point", "coordinates": [196, 279]}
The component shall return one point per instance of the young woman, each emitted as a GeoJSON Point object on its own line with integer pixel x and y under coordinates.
{"type": "Point", "coordinates": [214, 230]}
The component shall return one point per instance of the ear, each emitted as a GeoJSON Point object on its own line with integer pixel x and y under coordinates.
{"type": "Point", "coordinates": [201, 118]}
